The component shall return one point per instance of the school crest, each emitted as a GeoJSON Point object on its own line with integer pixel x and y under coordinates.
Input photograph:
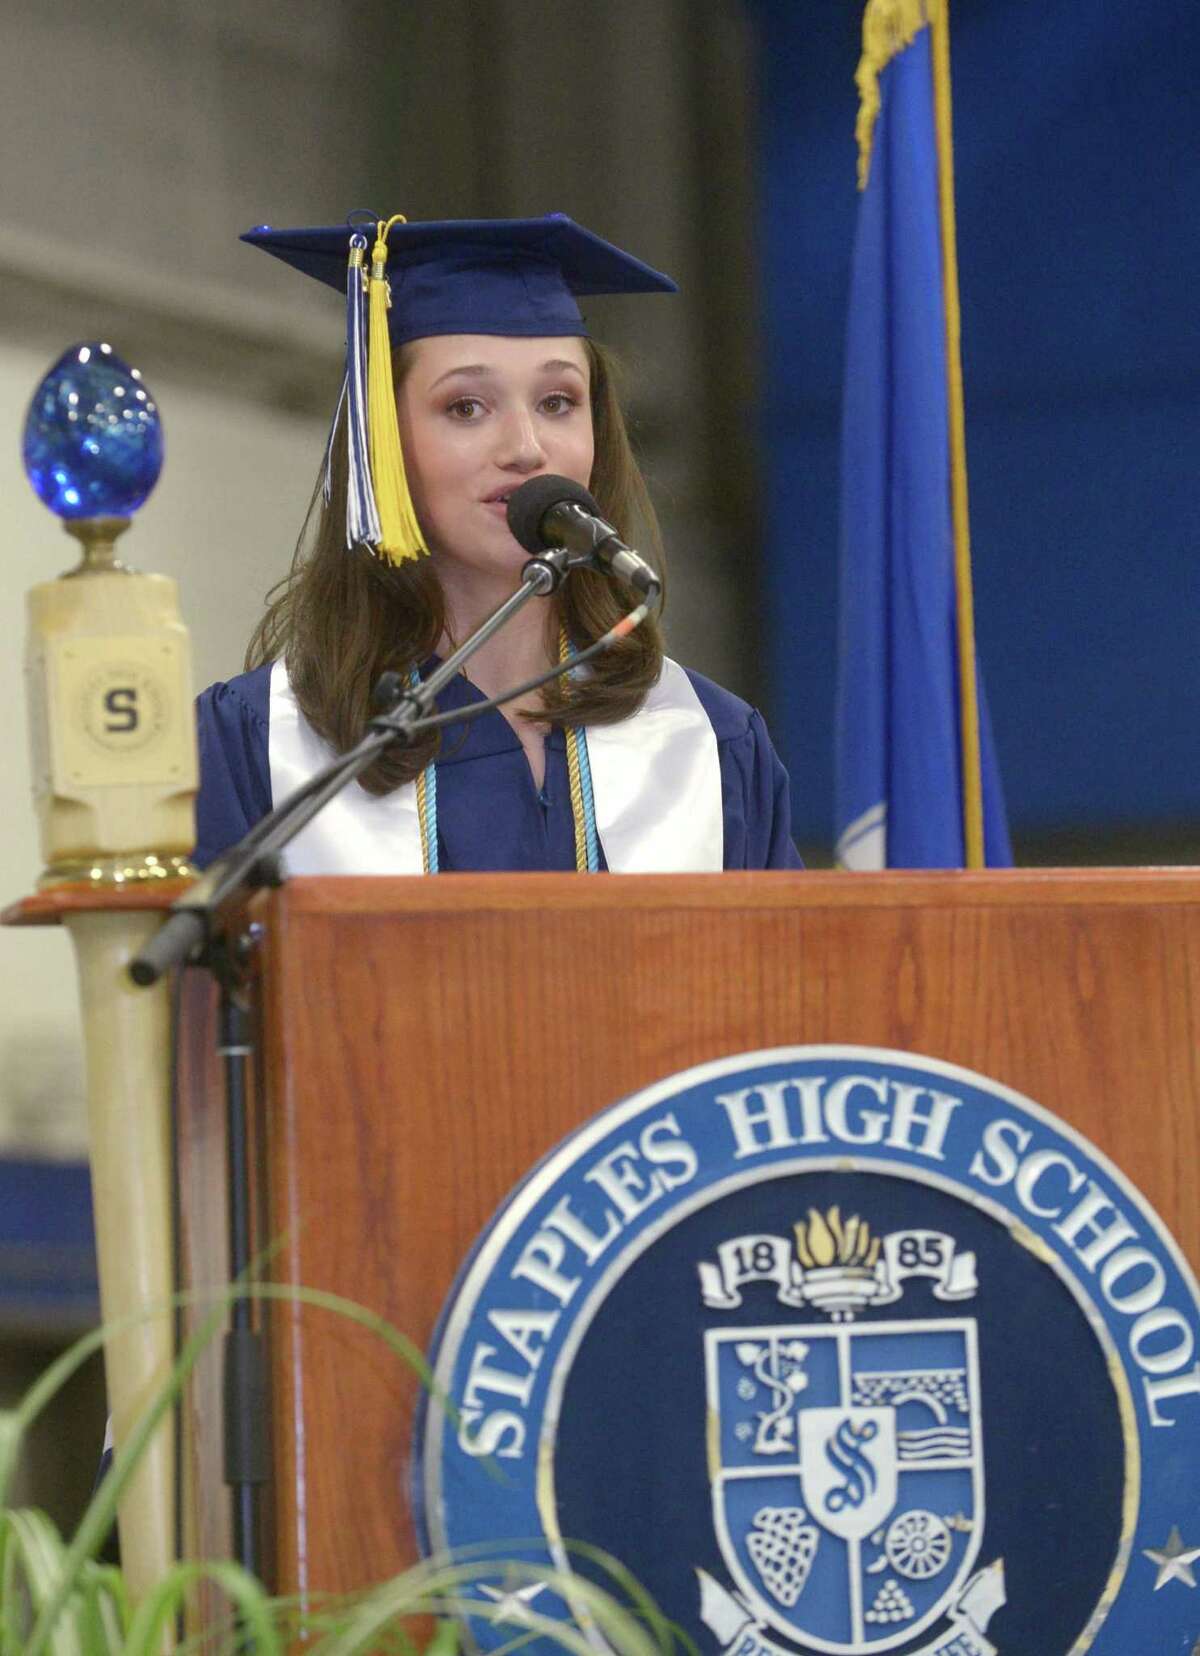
{"type": "Point", "coordinates": [840, 1351]}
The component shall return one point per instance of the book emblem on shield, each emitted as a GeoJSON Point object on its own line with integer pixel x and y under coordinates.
{"type": "Point", "coordinates": [846, 1469]}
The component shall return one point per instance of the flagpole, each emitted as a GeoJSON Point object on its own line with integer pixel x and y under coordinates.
{"type": "Point", "coordinates": [972, 784]}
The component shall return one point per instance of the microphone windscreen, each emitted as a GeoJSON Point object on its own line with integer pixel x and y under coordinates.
{"type": "Point", "coordinates": [528, 505]}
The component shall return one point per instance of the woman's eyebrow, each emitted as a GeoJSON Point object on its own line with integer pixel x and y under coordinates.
{"type": "Point", "coordinates": [480, 370]}
{"type": "Point", "coordinates": [472, 370]}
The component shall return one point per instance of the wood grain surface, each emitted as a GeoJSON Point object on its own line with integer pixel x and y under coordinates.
{"type": "Point", "coordinates": [426, 1041]}
{"type": "Point", "coordinates": [51, 906]}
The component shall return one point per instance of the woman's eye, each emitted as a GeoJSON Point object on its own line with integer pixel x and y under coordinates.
{"type": "Point", "coordinates": [558, 402]}
{"type": "Point", "coordinates": [466, 408]}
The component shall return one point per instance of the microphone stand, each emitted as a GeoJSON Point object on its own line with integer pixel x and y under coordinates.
{"type": "Point", "coordinates": [253, 862]}
{"type": "Point", "coordinates": [196, 932]}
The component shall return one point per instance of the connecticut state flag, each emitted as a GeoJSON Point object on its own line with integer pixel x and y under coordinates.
{"type": "Point", "coordinates": [901, 798]}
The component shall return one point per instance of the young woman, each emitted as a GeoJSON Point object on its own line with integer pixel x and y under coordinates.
{"type": "Point", "coordinates": [633, 764]}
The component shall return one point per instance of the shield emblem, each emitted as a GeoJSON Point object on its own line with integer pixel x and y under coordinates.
{"type": "Point", "coordinates": [846, 1467]}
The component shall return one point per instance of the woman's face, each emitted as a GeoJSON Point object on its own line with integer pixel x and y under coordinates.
{"type": "Point", "coordinates": [478, 416]}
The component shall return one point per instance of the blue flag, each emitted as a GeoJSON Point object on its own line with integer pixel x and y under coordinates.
{"type": "Point", "coordinates": [899, 787]}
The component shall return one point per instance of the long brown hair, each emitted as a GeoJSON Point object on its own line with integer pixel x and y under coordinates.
{"type": "Point", "coordinates": [343, 617]}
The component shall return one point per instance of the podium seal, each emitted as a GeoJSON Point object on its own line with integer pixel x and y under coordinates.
{"type": "Point", "coordinates": [838, 1350]}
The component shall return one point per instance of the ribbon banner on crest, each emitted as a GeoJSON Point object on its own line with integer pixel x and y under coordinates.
{"type": "Point", "coordinates": [765, 1258]}
{"type": "Point", "coordinates": [741, 1634]}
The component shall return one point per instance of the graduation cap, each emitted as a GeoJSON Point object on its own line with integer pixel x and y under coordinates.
{"type": "Point", "coordinates": [513, 277]}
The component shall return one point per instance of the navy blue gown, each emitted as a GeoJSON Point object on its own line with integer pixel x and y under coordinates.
{"type": "Point", "coordinates": [482, 764]}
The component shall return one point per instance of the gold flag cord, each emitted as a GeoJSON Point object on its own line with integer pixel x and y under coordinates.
{"type": "Point", "coordinates": [965, 604]}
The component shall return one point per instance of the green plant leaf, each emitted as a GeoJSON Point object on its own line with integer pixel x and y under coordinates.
{"type": "Point", "coordinates": [31, 1559]}
{"type": "Point", "coordinates": [251, 1603]}
{"type": "Point", "coordinates": [81, 1608]}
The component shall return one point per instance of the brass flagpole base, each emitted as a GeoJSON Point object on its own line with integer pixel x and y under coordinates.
{"type": "Point", "coordinates": [116, 871]}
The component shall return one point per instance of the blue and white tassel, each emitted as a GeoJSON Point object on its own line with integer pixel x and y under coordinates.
{"type": "Point", "coordinates": [362, 515]}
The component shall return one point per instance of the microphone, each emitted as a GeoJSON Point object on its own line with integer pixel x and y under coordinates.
{"type": "Point", "coordinates": [554, 511]}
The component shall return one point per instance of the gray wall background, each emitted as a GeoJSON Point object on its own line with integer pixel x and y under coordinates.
{"type": "Point", "coordinates": [142, 139]}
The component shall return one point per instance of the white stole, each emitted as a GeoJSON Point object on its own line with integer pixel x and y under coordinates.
{"type": "Point", "coordinates": [656, 780]}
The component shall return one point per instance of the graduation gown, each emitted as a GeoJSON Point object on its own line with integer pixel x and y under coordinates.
{"type": "Point", "coordinates": [490, 814]}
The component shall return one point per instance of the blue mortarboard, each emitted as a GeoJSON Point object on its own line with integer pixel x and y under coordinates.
{"type": "Point", "coordinates": [515, 277]}
{"type": "Point", "coordinates": [486, 276]}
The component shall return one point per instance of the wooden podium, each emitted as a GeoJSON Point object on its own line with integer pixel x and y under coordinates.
{"type": "Point", "coordinates": [423, 1043]}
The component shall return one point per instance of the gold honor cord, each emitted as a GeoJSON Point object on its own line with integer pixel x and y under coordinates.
{"type": "Point", "coordinates": [426, 818]}
{"type": "Point", "coordinates": [972, 781]}
{"type": "Point", "coordinates": [579, 773]}
{"type": "Point", "coordinates": [575, 777]}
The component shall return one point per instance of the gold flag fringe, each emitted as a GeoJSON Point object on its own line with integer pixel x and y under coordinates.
{"type": "Point", "coordinates": [888, 27]}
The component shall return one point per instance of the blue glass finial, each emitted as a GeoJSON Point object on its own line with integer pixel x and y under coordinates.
{"type": "Point", "coordinates": [93, 443]}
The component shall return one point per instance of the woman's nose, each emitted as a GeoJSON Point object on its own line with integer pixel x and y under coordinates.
{"type": "Point", "coordinates": [521, 447]}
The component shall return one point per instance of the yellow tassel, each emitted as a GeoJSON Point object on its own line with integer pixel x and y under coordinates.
{"type": "Point", "coordinates": [888, 27]}
{"type": "Point", "coordinates": [400, 534]}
